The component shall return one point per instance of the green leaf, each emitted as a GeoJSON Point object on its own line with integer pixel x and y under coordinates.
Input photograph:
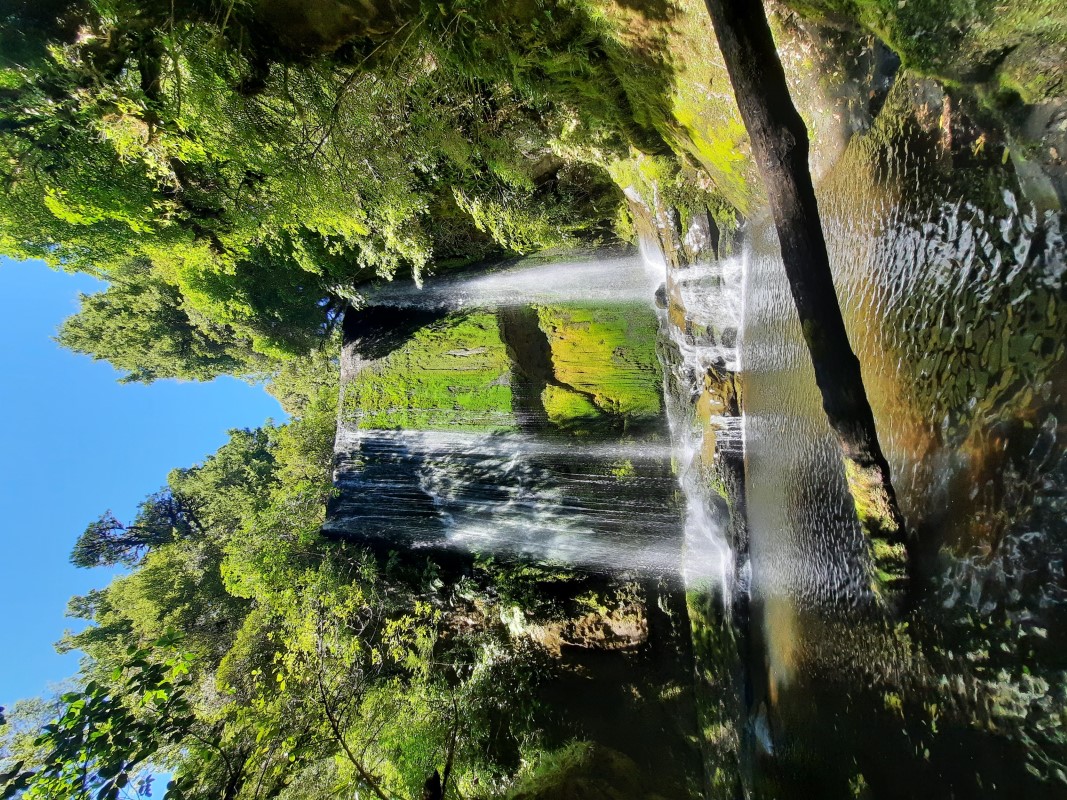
{"type": "Point", "coordinates": [11, 773]}
{"type": "Point", "coordinates": [17, 785]}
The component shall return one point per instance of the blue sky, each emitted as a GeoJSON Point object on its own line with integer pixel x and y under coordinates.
{"type": "Point", "coordinates": [74, 443]}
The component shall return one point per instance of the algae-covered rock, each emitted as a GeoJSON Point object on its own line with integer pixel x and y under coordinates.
{"type": "Point", "coordinates": [603, 360]}
{"type": "Point", "coordinates": [606, 621]}
{"type": "Point", "coordinates": [453, 373]}
{"type": "Point", "coordinates": [571, 411]}
{"type": "Point", "coordinates": [594, 369]}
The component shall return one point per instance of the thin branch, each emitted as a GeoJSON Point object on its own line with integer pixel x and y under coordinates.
{"type": "Point", "coordinates": [367, 778]}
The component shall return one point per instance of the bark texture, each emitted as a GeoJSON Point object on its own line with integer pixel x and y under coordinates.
{"type": "Point", "coordinates": [779, 143]}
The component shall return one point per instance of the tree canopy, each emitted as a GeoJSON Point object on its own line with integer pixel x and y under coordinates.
{"type": "Point", "coordinates": [140, 326]}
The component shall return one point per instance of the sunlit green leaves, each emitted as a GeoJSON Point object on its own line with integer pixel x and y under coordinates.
{"type": "Point", "coordinates": [108, 731]}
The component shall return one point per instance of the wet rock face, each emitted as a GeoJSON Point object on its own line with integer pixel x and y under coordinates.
{"type": "Point", "coordinates": [1046, 132]}
{"type": "Point", "coordinates": [622, 625]}
{"type": "Point", "coordinates": [994, 46]}
{"type": "Point", "coordinates": [531, 431]}
{"type": "Point", "coordinates": [618, 629]}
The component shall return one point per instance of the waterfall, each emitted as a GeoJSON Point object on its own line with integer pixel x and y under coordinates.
{"type": "Point", "coordinates": [598, 506]}
{"type": "Point", "coordinates": [701, 327]}
{"type": "Point", "coordinates": [521, 419]}
{"type": "Point", "coordinates": [530, 282]}
{"type": "Point", "coordinates": [505, 492]}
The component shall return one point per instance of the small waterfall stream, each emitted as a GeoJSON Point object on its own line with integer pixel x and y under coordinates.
{"type": "Point", "coordinates": [702, 327]}
{"type": "Point", "coordinates": [625, 279]}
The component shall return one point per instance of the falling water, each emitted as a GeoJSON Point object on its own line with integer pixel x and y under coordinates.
{"type": "Point", "coordinates": [598, 506]}
{"type": "Point", "coordinates": [509, 428]}
{"type": "Point", "coordinates": [532, 432]}
{"type": "Point", "coordinates": [599, 280]}
{"type": "Point", "coordinates": [702, 325]}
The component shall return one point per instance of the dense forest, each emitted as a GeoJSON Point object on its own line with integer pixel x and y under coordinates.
{"type": "Point", "coordinates": [242, 175]}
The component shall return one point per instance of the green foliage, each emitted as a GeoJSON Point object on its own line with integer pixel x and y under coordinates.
{"type": "Point", "coordinates": [303, 385]}
{"type": "Point", "coordinates": [309, 666]}
{"type": "Point", "coordinates": [524, 220]}
{"type": "Point", "coordinates": [228, 176]}
{"type": "Point", "coordinates": [109, 730]}
{"type": "Point", "coordinates": [235, 195]}
{"type": "Point", "coordinates": [547, 769]}
{"type": "Point", "coordinates": [232, 484]}
{"type": "Point", "coordinates": [718, 657]}
{"type": "Point", "coordinates": [162, 518]}
{"type": "Point", "coordinates": [20, 727]}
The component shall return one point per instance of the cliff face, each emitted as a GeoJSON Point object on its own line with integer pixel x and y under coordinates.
{"type": "Point", "coordinates": [523, 451]}
{"type": "Point", "coordinates": [532, 430]}
{"type": "Point", "coordinates": [994, 47]}
{"type": "Point", "coordinates": [577, 369]}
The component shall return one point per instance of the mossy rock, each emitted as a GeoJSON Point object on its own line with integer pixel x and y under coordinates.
{"type": "Point", "coordinates": [453, 374]}
{"type": "Point", "coordinates": [604, 358]}
{"type": "Point", "coordinates": [1019, 46]}
{"type": "Point", "coordinates": [572, 411]}
{"type": "Point", "coordinates": [585, 771]}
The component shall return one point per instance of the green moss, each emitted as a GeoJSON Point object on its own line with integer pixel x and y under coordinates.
{"type": "Point", "coordinates": [456, 374]}
{"type": "Point", "coordinates": [453, 374]}
{"type": "Point", "coordinates": [644, 173]}
{"type": "Point", "coordinates": [712, 134]}
{"type": "Point", "coordinates": [1020, 45]}
{"type": "Point", "coordinates": [571, 411]}
{"type": "Point", "coordinates": [522, 219]}
{"type": "Point", "coordinates": [682, 130]}
{"type": "Point", "coordinates": [870, 498]}
{"type": "Point", "coordinates": [719, 142]}
{"type": "Point", "coordinates": [887, 553]}
{"type": "Point", "coordinates": [10, 78]}
{"type": "Point", "coordinates": [584, 770]}
{"type": "Point", "coordinates": [717, 659]}
{"type": "Point", "coordinates": [605, 355]}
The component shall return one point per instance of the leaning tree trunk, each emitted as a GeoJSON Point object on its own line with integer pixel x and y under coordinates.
{"type": "Point", "coordinates": [780, 146]}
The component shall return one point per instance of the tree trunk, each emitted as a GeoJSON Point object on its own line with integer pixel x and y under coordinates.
{"type": "Point", "coordinates": [779, 143]}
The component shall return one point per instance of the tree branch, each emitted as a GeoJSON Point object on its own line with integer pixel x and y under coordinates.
{"type": "Point", "coordinates": [364, 775]}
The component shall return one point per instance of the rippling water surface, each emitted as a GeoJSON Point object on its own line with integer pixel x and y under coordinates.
{"type": "Point", "coordinates": [954, 306]}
